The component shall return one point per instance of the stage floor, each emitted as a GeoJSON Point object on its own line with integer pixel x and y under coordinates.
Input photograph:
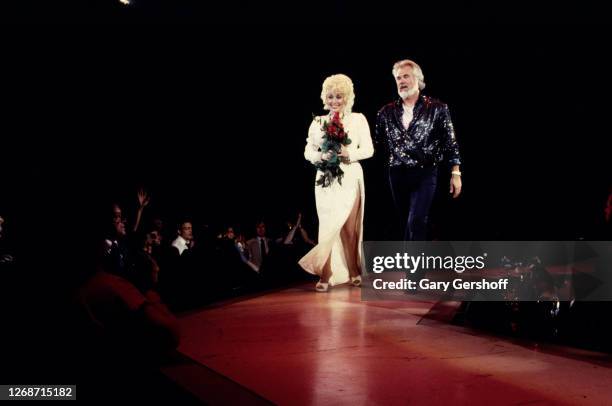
{"type": "Point", "coordinates": [298, 347]}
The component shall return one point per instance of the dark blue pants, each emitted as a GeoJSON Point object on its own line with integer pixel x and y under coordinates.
{"type": "Point", "coordinates": [413, 190]}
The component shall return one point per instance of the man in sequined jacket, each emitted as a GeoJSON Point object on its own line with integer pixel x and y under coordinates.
{"type": "Point", "coordinates": [417, 136]}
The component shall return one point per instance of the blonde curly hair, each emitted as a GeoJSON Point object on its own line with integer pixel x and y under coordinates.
{"type": "Point", "coordinates": [341, 84]}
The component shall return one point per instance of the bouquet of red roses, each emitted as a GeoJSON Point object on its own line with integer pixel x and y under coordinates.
{"type": "Point", "coordinates": [334, 137]}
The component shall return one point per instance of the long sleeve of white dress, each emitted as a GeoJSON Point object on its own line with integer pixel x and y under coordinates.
{"type": "Point", "coordinates": [365, 148]}
{"type": "Point", "coordinates": [312, 152]}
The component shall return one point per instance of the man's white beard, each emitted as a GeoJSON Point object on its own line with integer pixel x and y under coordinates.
{"type": "Point", "coordinates": [408, 93]}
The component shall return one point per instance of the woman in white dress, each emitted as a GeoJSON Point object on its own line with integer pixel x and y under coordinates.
{"type": "Point", "coordinates": [338, 255]}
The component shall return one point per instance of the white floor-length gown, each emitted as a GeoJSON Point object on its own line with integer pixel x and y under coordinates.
{"type": "Point", "coordinates": [334, 203]}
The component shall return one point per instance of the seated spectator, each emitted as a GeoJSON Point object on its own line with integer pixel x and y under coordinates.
{"type": "Point", "coordinates": [122, 316]}
{"type": "Point", "coordinates": [183, 277]}
{"type": "Point", "coordinates": [145, 275]}
{"type": "Point", "coordinates": [241, 247]}
{"type": "Point", "coordinates": [116, 252]}
{"type": "Point", "coordinates": [184, 240]}
{"type": "Point", "coordinates": [259, 247]}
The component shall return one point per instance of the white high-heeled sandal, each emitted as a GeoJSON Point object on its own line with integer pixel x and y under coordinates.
{"type": "Point", "coordinates": [356, 280]}
{"type": "Point", "coordinates": [321, 286]}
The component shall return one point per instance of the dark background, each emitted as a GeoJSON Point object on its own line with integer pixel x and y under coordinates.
{"type": "Point", "coordinates": [322, 12]}
{"type": "Point", "coordinates": [212, 121]}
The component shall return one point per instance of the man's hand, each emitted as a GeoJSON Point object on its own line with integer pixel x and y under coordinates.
{"type": "Point", "coordinates": [455, 186]}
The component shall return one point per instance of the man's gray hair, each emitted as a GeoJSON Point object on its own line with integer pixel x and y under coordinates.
{"type": "Point", "coordinates": [416, 69]}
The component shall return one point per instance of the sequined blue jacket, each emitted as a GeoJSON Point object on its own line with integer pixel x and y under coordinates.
{"type": "Point", "coordinates": [429, 139]}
